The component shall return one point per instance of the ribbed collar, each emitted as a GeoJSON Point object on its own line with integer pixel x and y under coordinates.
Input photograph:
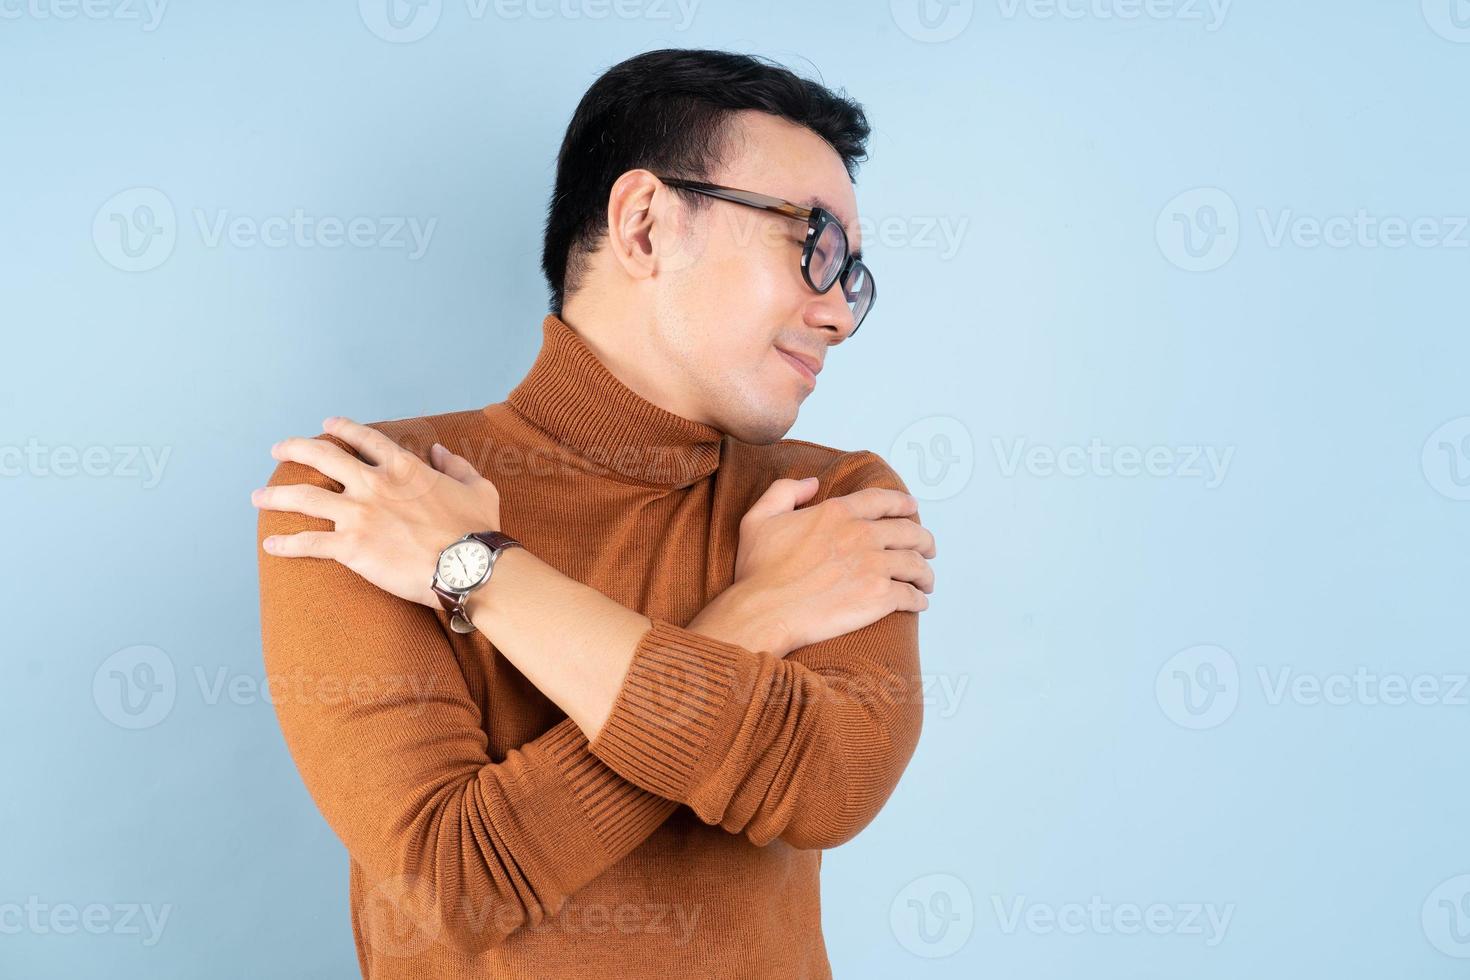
{"type": "Point", "coordinates": [572, 396]}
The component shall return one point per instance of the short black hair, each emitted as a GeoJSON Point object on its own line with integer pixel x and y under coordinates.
{"type": "Point", "coordinates": [668, 111]}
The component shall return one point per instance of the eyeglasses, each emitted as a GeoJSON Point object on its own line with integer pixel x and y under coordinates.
{"type": "Point", "coordinates": [824, 255]}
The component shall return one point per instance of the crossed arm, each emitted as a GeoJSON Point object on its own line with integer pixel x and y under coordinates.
{"type": "Point", "coordinates": [805, 748]}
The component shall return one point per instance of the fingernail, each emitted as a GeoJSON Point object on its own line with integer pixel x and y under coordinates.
{"type": "Point", "coordinates": [255, 496]}
{"type": "Point", "coordinates": [327, 423]}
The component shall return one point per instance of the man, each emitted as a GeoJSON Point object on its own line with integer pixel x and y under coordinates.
{"type": "Point", "coordinates": [610, 736]}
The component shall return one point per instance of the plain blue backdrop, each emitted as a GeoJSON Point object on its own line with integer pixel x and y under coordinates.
{"type": "Point", "coordinates": [1172, 346]}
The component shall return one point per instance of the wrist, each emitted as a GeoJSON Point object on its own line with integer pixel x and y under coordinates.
{"type": "Point", "coordinates": [737, 616]}
{"type": "Point", "coordinates": [479, 604]}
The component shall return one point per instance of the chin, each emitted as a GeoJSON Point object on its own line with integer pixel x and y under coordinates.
{"type": "Point", "coordinates": [765, 427]}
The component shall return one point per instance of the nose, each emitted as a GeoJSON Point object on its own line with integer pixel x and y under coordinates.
{"type": "Point", "coordinates": [830, 312]}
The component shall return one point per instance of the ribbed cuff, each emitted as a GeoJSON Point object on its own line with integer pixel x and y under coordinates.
{"type": "Point", "coordinates": [610, 816]}
{"type": "Point", "coordinates": [678, 710]}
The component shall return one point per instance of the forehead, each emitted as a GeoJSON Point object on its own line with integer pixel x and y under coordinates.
{"type": "Point", "coordinates": [771, 155]}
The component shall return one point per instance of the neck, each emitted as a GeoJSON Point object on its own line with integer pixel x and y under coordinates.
{"type": "Point", "coordinates": [628, 343]}
{"type": "Point", "coordinates": [579, 402]}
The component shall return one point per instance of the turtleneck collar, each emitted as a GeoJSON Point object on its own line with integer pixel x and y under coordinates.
{"type": "Point", "coordinates": [576, 400]}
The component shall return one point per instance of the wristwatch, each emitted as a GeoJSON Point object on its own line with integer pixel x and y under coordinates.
{"type": "Point", "coordinates": [463, 567]}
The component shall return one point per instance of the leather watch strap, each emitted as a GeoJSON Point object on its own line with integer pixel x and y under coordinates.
{"type": "Point", "coordinates": [497, 540]}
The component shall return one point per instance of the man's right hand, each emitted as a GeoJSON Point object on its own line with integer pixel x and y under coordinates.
{"type": "Point", "coordinates": [803, 576]}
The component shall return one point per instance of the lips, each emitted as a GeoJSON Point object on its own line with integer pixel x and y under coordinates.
{"type": "Point", "coordinates": [812, 364]}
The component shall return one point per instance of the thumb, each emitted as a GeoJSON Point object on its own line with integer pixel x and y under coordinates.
{"type": "Point", "coordinates": [782, 496]}
{"type": "Point", "coordinates": [452, 465]}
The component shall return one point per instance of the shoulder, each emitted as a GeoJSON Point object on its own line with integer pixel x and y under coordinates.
{"type": "Point", "coordinates": [839, 471]}
{"type": "Point", "coordinates": [453, 430]}
{"type": "Point", "coordinates": [460, 432]}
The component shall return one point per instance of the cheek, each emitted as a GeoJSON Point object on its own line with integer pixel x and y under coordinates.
{"type": "Point", "coordinates": [751, 290]}
{"type": "Point", "coordinates": [758, 271]}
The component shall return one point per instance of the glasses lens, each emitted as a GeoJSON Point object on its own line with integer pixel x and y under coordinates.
{"type": "Point", "coordinates": [859, 291]}
{"type": "Point", "coordinates": [828, 255]}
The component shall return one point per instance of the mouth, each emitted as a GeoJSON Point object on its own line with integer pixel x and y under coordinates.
{"type": "Point", "coordinates": [803, 364]}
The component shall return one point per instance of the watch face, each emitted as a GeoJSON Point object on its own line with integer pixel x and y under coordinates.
{"type": "Point", "coordinates": [463, 564]}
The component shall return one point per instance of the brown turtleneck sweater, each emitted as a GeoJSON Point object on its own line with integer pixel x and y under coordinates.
{"type": "Point", "coordinates": [686, 841]}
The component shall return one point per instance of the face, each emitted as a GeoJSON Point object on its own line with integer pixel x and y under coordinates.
{"type": "Point", "coordinates": [728, 295]}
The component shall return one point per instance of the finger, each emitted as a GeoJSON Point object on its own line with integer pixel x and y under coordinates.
{"type": "Point", "coordinates": [781, 496]}
{"type": "Point", "coordinates": [322, 455]}
{"type": "Point", "coordinates": [303, 544]}
{"type": "Point", "coordinates": [906, 598]}
{"type": "Point", "coordinates": [875, 502]}
{"type": "Point", "coordinates": [300, 498]}
{"type": "Point", "coordinates": [909, 566]}
{"type": "Point", "coordinates": [902, 533]}
{"type": "Point", "coordinates": [453, 465]}
{"type": "Point", "coordinates": [371, 444]}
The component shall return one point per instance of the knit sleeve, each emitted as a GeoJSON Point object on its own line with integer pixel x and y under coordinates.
{"type": "Point", "coordinates": [379, 721]}
{"type": "Point", "coordinates": [806, 748]}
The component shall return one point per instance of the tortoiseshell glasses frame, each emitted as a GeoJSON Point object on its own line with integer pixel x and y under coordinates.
{"type": "Point", "coordinates": [825, 257]}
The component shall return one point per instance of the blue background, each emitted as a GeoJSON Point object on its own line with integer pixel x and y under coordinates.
{"type": "Point", "coordinates": [1106, 651]}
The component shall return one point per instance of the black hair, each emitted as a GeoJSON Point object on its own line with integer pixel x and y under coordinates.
{"type": "Point", "coordinates": [668, 111]}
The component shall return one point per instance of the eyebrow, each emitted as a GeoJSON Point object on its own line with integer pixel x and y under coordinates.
{"type": "Point", "coordinates": [816, 201]}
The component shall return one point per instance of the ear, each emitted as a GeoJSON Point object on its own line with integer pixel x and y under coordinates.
{"type": "Point", "coordinates": [649, 227]}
